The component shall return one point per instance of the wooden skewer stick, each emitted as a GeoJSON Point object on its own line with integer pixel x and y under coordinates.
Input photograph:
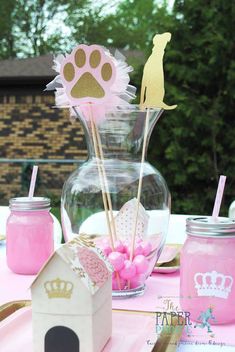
{"type": "Point", "coordinates": [106, 184]}
{"type": "Point", "coordinates": [101, 180]}
{"type": "Point", "coordinates": [140, 183]}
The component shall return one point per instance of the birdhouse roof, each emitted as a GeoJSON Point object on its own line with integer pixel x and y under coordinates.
{"type": "Point", "coordinates": [87, 261]}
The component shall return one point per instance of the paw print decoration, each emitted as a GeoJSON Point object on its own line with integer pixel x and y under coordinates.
{"type": "Point", "coordinates": [88, 74]}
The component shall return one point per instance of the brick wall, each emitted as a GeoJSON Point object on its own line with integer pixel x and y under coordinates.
{"type": "Point", "coordinates": [30, 128]}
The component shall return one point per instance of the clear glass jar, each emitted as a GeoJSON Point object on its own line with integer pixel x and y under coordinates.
{"type": "Point", "coordinates": [29, 234]}
{"type": "Point", "coordinates": [121, 134]}
{"type": "Point", "coordinates": [207, 270]}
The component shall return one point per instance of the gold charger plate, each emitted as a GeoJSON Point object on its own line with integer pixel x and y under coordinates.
{"type": "Point", "coordinates": [166, 341]}
{"type": "Point", "coordinates": [9, 308]}
{"type": "Point", "coordinates": [171, 266]}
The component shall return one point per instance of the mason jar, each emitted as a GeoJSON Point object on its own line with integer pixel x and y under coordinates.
{"type": "Point", "coordinates": [207, 275]}
{"type": "Point", "coordinates": [29, 234]}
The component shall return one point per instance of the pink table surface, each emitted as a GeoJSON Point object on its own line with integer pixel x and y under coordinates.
{"type": "Point", "coordinates": [161, 289]}
{"type": "Point", "coordinates": [16, 332]}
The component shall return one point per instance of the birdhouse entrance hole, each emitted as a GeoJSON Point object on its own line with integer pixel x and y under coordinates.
{"type": "Point", "coordinates": [61, 339]}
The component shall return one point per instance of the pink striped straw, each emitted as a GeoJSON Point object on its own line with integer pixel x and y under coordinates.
{"type": "Point", "coordinates": [218, 198]}
{"type": "Point", "coordinates": [33, 181]}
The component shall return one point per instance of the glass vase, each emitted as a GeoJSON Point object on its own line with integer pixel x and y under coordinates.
{"type": "Point", "coordinates": [117, 171]}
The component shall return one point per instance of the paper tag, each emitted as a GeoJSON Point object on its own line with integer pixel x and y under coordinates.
{"type": "Point", "coordinates": [126, 218]}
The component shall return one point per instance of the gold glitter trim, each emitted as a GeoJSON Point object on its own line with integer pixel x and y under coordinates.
{"type": "Point", "coordinates": [83, 240]}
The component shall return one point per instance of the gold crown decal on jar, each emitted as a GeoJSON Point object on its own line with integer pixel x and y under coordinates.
{"type": "Point", "coordinates": [58, 288]}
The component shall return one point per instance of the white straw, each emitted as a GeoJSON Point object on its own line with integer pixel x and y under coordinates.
{"type": "Point", "coordinates": [33, 181]}
{"type": "Point", "coordinates": [218, 198]}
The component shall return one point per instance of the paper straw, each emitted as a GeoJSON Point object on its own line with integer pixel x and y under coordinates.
{"type": "Point", "coordinates": [33, 181]}
{"type": "Point", "coordinates": [219, 196]}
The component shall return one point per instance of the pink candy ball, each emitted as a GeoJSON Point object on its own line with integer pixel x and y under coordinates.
{"type": "Point", "coordinates": [125, 256]}
{"type": "Point", "coordinates": [147, 247]}
{"type": "Point", "coordinates": [105, 243]}
{"type": "Point", "coordinates": [117, 260]}
{"type": "Point", "coordinates": [106, 249]}
{"type": "Point", "coordinates": [138, 249]}
{"type": "Point", "coordinates": [127, 250]}
{"type": "Point", "coordinates": [118, 284]}
{"type": "Point", "coordinates": [137, 280]}
{"type": "Point", "coordinates": [119, 247]}
{"type": "Point", "coordinates": [128, 271]}
{"type": "Point", "coordinates": [141, 264]}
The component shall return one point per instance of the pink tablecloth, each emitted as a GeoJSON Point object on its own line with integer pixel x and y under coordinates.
{"type": "Point", "coordinates": [159, 287]}
{"type": "Point", "coordinates": [162, 294]}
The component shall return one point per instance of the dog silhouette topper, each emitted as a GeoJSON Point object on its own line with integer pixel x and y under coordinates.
{"type": "Point", "coordinates": [152, 87]}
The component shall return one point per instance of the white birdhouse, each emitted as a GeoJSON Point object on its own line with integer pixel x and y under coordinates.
{"type": "Point", "coordinates": [72, 300]}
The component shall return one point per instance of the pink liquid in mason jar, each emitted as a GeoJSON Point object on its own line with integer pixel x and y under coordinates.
{"type": "Point", "coordinates": [29, 234]}
{"type": "Point", "coordinates": [207, 274]}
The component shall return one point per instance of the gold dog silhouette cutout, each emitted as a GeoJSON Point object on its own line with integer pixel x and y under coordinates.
{"type": "Point", "coordinates": [152, 87]}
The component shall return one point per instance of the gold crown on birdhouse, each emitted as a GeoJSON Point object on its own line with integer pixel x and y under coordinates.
{"type": "Point", "coordinates": [58, 288]}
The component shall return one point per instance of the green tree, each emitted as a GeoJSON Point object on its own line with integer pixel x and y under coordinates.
{"type": "Point", "coordinates": [89, 23]}
{"type": "Point", "coordinates": [32, 27]}
{"type": "Point", "coordinates": [197, 139]}
{"type": "Point", "coordinates": [7, 40]}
